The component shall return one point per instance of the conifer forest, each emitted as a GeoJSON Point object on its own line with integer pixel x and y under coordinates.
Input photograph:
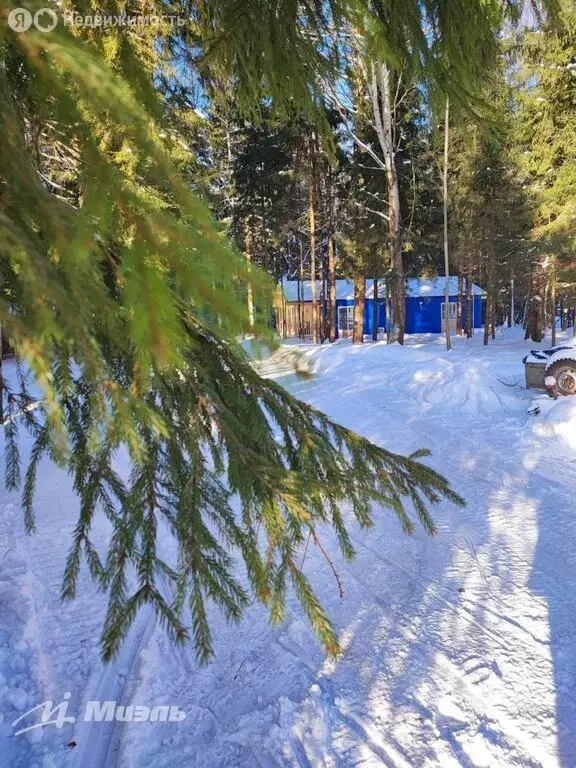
{"type": "Point", "coordinates": [288, 333]}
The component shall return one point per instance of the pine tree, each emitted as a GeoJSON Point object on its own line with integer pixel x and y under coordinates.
{"type": "Point", "coordinates": [491, 217]}
{"type": "Point", "coordinates": [546, 137]}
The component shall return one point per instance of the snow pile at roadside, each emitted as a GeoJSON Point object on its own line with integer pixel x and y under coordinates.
{"type": "Point", "coordinates": [465, 386]}
{"type": "Point", "coordinates": [558, 420]}
{"type": "Point", "coordinates": [438, 381]}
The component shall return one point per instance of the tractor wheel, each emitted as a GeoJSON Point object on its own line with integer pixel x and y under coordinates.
{"type": "Point", "coordinates": [564, 371]}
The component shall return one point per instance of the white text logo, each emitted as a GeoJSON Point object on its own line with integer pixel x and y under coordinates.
{"type": "Point", "coordinates": [97, 712]}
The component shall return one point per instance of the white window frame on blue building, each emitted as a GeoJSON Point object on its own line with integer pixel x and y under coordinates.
{"type": "Point", "coordinates": [346, 311]}
{"type": "Point", "coordinates": [452, 314]}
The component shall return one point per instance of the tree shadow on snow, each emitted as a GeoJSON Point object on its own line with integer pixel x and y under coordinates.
{"type": "Point", "coordinates": [458, 650]}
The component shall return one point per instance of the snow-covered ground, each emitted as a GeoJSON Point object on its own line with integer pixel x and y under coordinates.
{"type": "Point", "coordinates": [459, 650]}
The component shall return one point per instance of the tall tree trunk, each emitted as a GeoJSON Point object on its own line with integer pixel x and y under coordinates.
{"type": "Point", "coordinates": [398, 290]}
{"type": "Point", "coordinates": [493, 314]}
{"type": "Point", "coordinates": [534, 328]}
{"type": "Point", "coordinates": [469, 305]}
{"type": "Point", "coordinates": [487, 318]}
{"type": "Point", "coordinates": [284, 318]}
{"type": "Point", "coordinates": [300, 304]}
{"type": "Point", "coordinates": [545, 308]}
{"type": "Point", "coordinates": [382, 109]}
{"type": "Point", "coordinates": [459, 301]}
{"type": "Point", "coordinates": [388, 319]}
{"type": "Point", "coordinates": [248, 240]}
{"type": "Point", "coordinates": [375, 311]}
{"type": "Point", "coordinates": [359, 304]}
{"type": "Point", "coordinates": [445, 209]}
{"type": "Point", "coordinates": [312, 219]}
{"type": "Point", "coordinates": [512, 312]}
{"type": "Point", "coordinates": [322, 307]}
{"type": "Point", "coordinates": [553, 303]}
{"type": "Point", "coordinates": [331, 289]}
{"type": "Point", "coordinates": [312, 224]}
{"type": "Point", "coordinates": [536, 319]}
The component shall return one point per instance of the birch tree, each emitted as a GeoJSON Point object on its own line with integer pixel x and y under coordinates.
{"type": "Point", "coordinates": [383, 93]}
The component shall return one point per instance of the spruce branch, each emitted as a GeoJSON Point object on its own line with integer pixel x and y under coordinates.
{"type": "Point", "coordinates": [245, 475]}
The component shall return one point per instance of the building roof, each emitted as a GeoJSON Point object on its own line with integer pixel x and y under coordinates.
{"type": "Point", "coordinates": [435, 286]}
{"type": "Point", "coordinates": [345, 288]}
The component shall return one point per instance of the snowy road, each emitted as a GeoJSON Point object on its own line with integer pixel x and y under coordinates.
{"type": "Point", "coordinates": [459, 650]}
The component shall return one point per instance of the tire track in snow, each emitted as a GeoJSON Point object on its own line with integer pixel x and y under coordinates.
{"type": "Point", "coordinates": [541, 648]}
{"type": "Point", "coordinates": [479, 703]}
{"type": "Point", "coordinates": [521, 745]}
{"type": "Point", "coordinates": [366, 732]}
{"type": "Point", "coordinates": [426, 580]}
{"type": "Point", "coordinates": [516, 625]}
{"type": "Point", "coordinates": [517, 741]}
{"type": "Point", "coordinates": [299, 751]}
{"type": "Point", "coordinates": [369, 735]}
{"type": "Point", "coordinates": [523, 748]}
{"type": "Point", "coordinates": [99, 742]}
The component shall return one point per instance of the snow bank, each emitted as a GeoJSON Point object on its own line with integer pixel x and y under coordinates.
{"type": "Point", "coordinates": [443, 383]}
{"type": "Point", "coordinates": [464, 387]}
{"type": "Point", "coordinates": [559, 420]}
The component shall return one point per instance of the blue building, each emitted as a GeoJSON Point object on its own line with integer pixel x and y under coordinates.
{"type": "Point", "coordinates": [424, 306]}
